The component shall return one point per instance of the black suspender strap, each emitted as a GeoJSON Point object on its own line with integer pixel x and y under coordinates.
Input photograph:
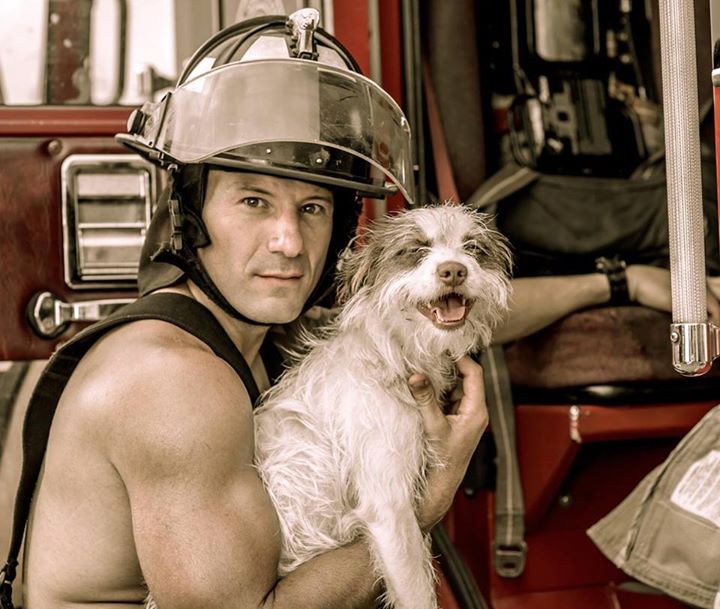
{"type": "Point", "coordinates": [176, 309]}
{"type": "Point", "coordinates": [509, 546]}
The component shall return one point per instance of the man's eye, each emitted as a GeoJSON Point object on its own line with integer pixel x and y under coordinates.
{"type": "Point", "coordinates": [254, 202]}
{"type": "Point", "coordinates": [314, 209]}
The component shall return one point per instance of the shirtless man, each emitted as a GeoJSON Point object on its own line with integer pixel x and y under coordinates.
{"type": "Point", "coordinates": [148, 481]}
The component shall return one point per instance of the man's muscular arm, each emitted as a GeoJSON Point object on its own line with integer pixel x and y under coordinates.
{"type": "Point", "coordinates": [205, 531]}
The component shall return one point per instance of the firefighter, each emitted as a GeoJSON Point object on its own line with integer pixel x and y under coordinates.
{"type": "Point", "coordinates": [270, 139]}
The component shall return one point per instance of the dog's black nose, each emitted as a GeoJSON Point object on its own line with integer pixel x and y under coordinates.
{"type": "Point", "coordinates": [452, 273]}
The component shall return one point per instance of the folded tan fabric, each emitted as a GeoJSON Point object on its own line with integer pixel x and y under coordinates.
{"type": "Point", "coordinates": [666, 533]}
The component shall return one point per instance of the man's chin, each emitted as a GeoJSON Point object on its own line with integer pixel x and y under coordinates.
{"type": "Point", "coordinates": [273, 315]}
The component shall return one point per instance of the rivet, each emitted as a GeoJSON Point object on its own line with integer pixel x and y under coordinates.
{"type": "Point", "coordinates": [565, 501]}
{"type": "Point", "coordinates": [54, 147]}
{"type": "Point", "coordinates": [674, 336]}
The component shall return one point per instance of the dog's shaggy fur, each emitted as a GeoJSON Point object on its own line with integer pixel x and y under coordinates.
{"type": "Point", "coordinates": [339, 440]}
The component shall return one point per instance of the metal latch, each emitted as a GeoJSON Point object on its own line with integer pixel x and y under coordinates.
{"type": "Point", "coordinates": [49, 316]}
{"type": "Point", "coordinates": [510, 559]}
{"type": "Point", "coordinates": [574, 415]}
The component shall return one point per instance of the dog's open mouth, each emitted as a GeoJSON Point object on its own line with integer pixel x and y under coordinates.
{"type": "Point", "coordinates": [447, 312]}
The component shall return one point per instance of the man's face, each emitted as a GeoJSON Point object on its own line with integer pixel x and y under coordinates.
{"type": "Point", "coordinates": [270, 237]}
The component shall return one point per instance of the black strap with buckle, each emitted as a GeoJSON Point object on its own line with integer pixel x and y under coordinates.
{"type": "Point", "coordinates": [510, 559]}
{"type": "Point", "coordinates": [614, 268]}
{"type": "Point", "coordinates": [179, 310]}
{"type": "Point", "coordinates": [509, 548]}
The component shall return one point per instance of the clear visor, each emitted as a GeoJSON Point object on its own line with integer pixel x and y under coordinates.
{"type": "Point", "coordinates": [298, 115]}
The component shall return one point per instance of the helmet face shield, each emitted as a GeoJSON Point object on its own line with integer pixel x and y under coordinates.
{"type": "Point", "coordinates": [291, 117]}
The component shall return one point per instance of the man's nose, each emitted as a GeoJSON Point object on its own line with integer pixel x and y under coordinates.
{"type": "Point", "coordinates": [286, 237]}
{"type": "Point", "coordinates": [452, 273]}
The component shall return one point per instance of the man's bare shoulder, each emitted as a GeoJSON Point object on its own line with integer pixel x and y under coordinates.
{"type": "Point", "coordinates": [152, 387]}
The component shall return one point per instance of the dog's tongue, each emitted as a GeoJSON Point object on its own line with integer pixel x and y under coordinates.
{"type": "Point", "coordinates": [449, 309]}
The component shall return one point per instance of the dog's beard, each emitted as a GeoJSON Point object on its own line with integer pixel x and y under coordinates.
{"type": "Point", "coordinates": [428, 323]}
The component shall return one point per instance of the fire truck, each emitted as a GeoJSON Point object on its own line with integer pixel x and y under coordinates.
{"type": "Point", "coordinates": [558, 88]}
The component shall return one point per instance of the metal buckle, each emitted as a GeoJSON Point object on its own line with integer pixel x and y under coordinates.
{"type": "Point", "coordinates": [176, 220]}
{"type": "Point", "coordinates": [510, 559]}
{"type": "Point", "coordinates": [6, 596]}
{"type": "Point", "coordinates": [8, 572]}
{"type": "Point", "coordinates": [7, 575]}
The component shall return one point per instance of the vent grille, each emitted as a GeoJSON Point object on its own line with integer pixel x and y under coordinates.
{"type": "Point", "coordinates": [107, 204]}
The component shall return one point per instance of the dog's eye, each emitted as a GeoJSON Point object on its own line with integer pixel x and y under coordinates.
{"type": "Point", "coordinates": [415, 251]}
{"type": "Point", "coordinates": [473, 248]}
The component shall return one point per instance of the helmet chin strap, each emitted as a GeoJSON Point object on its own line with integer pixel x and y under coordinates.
{"type": "Point", "coordinates": [187, 233]}
{"type": "Point", "coordinates": [188, 261]}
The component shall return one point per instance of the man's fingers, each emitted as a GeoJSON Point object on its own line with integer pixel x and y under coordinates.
{"type": "Point", "coordinates": [424, 394]}
{"type": "Point", "coordinates": [456, 396]}
{"type": "Point", "coordinates": [422, 390]}
{"type": "Point", "coordinates": [473, 387]}
{"type": "Point", "coordinates": [471, 407]}
{"type": "Point", "coordinates": [466, 365]}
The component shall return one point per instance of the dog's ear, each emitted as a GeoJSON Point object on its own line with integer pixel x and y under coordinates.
{"type": "Point", "coordinates": [355, 269]}
{"type": "Point", "coordinates": [494, 249]}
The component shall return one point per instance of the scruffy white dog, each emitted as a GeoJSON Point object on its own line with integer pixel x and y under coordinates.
{"type": "Point", "coordinates": [339, 440]}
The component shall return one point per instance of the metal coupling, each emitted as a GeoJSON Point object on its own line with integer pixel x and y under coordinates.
{"type": "Point", "coordinates": [694, 347]}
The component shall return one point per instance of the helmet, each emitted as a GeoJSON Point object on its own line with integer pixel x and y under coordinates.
{"type": "Point", "coordinates": [280, 96]}
{"type": "Point", "coordinates": [273, 95]}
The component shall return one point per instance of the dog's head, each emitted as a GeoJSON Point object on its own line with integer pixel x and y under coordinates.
{"type": "Point", "coordinates": [437, 276]}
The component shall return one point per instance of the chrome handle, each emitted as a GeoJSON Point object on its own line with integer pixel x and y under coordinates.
{"type": "Point", "coordinates": [49, 316]}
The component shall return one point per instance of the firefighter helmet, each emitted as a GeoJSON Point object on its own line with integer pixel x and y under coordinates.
{"type": "Point", "coordinates": [272, 95]}
{"type": "Point", "coordinates": [280, 96]}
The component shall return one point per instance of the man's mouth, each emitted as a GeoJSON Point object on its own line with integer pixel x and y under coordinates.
{"type": "Point", "coordinates": [447, 312]}
{"type": "Point", "coordinates": [281, 276]}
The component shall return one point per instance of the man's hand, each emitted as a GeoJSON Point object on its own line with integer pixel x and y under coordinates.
{"type": "Point", "coordinates": [650, 286]}
{"type": "Point", "coordinates": [454, 436]}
